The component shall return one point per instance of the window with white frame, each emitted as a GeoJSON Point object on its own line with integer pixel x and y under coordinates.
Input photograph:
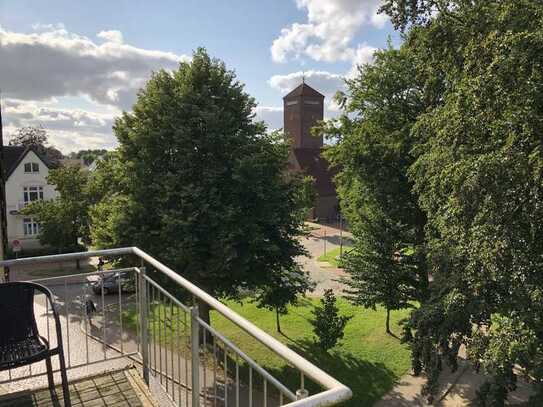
{"type": "Point", "coordinates": [32, 193]}
{"type": "Point", "coordinates": [32, 167]}
{"type": "Point", "coordinates": [31, 227]}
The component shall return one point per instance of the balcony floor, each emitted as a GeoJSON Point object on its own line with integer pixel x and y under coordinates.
{"type": "Point", "coordinates": [113, 389]}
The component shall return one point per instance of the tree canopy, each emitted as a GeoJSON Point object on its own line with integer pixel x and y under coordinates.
{"type": "Point", "coordinates": [37, 137]}
{"type": "Point", "coordinates": [373, 154]}
{"type": "Point", "coordinates": [464, 135]}
{"type": "Point", "coordinates": [89, 155]}
{"type": "Point", "coordinates": [202, 185]}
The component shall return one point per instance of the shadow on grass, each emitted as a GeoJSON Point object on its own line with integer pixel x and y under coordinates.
{"type": "Point", "coordinates": [368, 381]}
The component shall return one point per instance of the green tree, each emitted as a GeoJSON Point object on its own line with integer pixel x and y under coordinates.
{"type": "Point", "coordinates": [203, 186]}
{"type": "Point", "coordinates": [88, 156]}
{"type": "Point", "coordinates": [372, 154]}
{"type": "Point", "coordinates": [282, 290]}
{"type": "Point", "coordinates": [479, 178]}
{"type": "Point", "coordinates": [111, 225]}
{"type": "Point", "coordinates": [307, 196]}
{"type": "Point", "coordinates": [64, 220]}
{"type": "Point", "coordinates": [328, 325]}
{"type": "Point", "coordinates": [37, 137]}
{"type": "Point", "coordinates": [29, 136]}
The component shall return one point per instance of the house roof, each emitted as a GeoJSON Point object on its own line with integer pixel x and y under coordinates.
{"type": "Point", "coordinates": [312, 163]}
{"type": "Point", "coordinates": [304, 90]}
{"type": "Point", "coordinates": [13, 155]}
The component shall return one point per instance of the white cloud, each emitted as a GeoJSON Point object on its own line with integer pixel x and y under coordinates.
{"type": "Point", "coordinates": [329, 31]}
{"type": "Point", "coordinates": [362, 55]}
{"type": "Point", "coordinates": [40, 68]}
{"type": "Point", "coordinates": [47, 27]}
{"type": "Point", "coordinates": [54, 62]}
{"type": "Point", "coordinates": [68, 129]}
{"type": "Point", "coordinates": [111, 35]}
{"type": "Point", "coordinates": [325, 82]}
{"type": "Point", "coordinates": [291, 42]}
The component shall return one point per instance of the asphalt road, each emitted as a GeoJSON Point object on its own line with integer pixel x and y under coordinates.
{"type": "Point", "coordinates": [320, 239]}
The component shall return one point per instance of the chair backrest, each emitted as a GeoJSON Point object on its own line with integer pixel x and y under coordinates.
{"type": "Point", "coordinates": [17, 320]}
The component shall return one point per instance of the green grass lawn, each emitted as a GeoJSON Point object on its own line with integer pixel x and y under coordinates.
{"type": "Point", "coordinates": [368, 360]}
{"type": "Point", "coordinates": [331, 257]}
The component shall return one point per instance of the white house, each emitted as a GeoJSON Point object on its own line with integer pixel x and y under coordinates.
{"type": "Point", "coordinates": [26, 181]}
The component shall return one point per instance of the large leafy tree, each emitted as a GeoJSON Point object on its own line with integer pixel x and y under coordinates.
{"type": "Point", "coordinates": [37, 137]}
{"type": "Point", "coordinates": [479, 177]}
{"type": "Point", "coordinates": [373, 152]}
{"type": "Point", "coordinates": [111, 225]}
{"type": "Point", "coordinates": [203, 185]}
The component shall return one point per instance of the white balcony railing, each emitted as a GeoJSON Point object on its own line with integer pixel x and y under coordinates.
{"type": "Point", "coordinates": [180, 356]}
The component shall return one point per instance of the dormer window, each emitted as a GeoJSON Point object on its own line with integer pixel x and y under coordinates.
{"type": "Point", "coordinates": [32, 168]}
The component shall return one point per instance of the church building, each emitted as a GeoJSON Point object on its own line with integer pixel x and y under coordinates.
{"type": "Point", "coordinates": [302, 109]}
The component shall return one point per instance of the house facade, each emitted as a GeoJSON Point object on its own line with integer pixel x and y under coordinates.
{"type": "Point", "coordinates": [26, 174]}
{"type": "Point", "coordinates": [303, 107]}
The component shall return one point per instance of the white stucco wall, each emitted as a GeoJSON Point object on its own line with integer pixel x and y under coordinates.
{"type": "Point", "coordinates": [14, 197]}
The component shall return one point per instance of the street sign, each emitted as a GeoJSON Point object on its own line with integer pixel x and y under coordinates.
{"type": "Point", "coordinates": [16, 246]}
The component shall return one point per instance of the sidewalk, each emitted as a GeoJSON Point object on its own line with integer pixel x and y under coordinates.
{"type": "Point", "coordinates": [457, 389]}
{"type": "Point", "coordinates": [323, 275]}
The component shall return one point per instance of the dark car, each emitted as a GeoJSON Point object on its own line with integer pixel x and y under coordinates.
{"type": "Point", "coordinates": [111, 283]}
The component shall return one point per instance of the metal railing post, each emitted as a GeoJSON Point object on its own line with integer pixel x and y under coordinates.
{"type": "Point", "coordinates": [195, 351]}
{"type": "Point", "coordinates": [302, 393]}
{"type": "Point", "coordinates": [143, 325]}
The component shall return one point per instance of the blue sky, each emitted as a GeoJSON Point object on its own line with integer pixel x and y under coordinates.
{"type": "Point", "coordinates": [72, 66]}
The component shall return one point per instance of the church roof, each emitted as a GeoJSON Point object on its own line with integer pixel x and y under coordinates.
{"type": "Point", "coordinates": [312, 163]}
{"type": "Point", "coordinates": [304, 90]}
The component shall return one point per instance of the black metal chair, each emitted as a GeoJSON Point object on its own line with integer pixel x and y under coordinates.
{"type": "Point", "coordinates": [20, 340]}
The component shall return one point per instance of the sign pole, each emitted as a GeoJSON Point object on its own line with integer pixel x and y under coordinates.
{"type": "Point", "coordinates": [340, 235]}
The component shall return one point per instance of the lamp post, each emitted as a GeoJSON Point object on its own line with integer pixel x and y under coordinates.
{"type": "Point", "coordinates": [340, 235]}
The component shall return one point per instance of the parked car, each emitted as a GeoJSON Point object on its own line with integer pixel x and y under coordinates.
{"type": "Point", "coordinates": [111, 282]}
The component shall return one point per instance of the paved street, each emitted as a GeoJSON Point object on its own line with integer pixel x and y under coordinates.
{"type": "Point", "coordinates": [326, 276]}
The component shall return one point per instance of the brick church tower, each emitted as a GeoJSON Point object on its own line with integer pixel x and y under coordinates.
{"type": "Point", "coordinates": [302, 109]}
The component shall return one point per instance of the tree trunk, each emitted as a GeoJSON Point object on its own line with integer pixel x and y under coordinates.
{"type": "Point", "coordinates": [278, 324]}
{"type": "Point", "coordinates": [388, 322]}
{"type": "Point", "coordinates": [78, 264]}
